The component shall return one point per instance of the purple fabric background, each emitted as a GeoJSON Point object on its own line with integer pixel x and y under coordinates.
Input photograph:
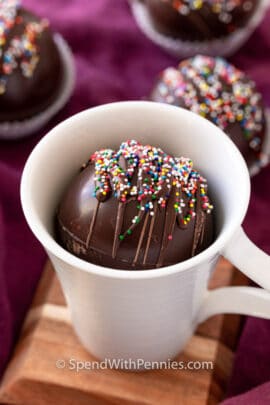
{"type": "Point", "coordinates": [114, 62]}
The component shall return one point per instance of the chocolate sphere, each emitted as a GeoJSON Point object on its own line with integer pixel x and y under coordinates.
{"type": "Point", "coordinates": [135, 208]}
{"type": "Point", "coordinates": [216, 90]}
{"type": "Point", "coordinates": [30, 65]}
{"type": "Point", "coordinates": [200, 20]}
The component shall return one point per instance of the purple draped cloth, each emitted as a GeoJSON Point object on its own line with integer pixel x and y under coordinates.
{"type": "Point", "coordinates": [115, 61]}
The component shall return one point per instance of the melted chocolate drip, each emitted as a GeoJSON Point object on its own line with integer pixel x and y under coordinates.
{"type": "Point", "coordinates": [118, 228]}
{"type": "Point", "coordinates": [134, 198]}
{"type": "Point", "coordinates": [150, 233]}
{"type": "Point", "coordinates": [142, 235]}
{"type": "Point", "coordinates": [170, 218]}
{"type": "Point", "coordinates": [92, 224]}
{"type": "Point", "coordinates": [199, 225]}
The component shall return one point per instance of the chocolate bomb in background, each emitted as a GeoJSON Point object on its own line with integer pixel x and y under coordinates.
{"type": "Point", "coordinates": [200, 20]}
{"type": "Point", "coordinates": [216, 90]}
{"type": "Point", "coordinates": [135, 208]}
{"type": "Point", "coordinates": [30, 64]}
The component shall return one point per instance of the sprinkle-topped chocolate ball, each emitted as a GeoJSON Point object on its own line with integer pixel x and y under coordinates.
{"type": "Point", "coordinates": [30, 65]}
{"type": "Point", "coordinates": [199, 20]}
{"type": "Point", "coordinates": [216, 90]}
{"type": "Point", "coordinates": [136, 208]}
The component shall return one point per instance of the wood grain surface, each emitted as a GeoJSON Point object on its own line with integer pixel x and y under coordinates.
{"type": "Point", "coordinates": [32, 377]}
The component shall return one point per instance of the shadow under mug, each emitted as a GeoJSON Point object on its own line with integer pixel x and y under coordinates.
{"type": "Point", "coordinates": [150, 314]}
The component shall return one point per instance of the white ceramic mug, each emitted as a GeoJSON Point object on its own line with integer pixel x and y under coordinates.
{"type": "Point", "coordinates": [149, 314]}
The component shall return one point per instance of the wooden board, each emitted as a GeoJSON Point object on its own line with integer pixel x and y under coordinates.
{"type": "Point", "coordinates": [32, 377]}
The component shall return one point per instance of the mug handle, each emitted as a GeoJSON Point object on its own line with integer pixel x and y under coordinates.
{"type": "Point", "coordinates": [255, 264]}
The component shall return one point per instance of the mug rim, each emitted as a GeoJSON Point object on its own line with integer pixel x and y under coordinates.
{"type": "Point", "coordinates": [55, 249]}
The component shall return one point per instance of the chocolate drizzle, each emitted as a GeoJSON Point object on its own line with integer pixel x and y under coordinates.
{"type": "Point", "coordinates": [152, 223]}
{"type": "Point", "coordinates": [92, 224]}
{"type": "Point", "coordinates": [118, 227]}
{"type": "Point", "coordinates": [169, 223]}
{"type": "Point", "coordinates": [157, 183]}
{"type": "Point", "coordinates": [142, 235]}
{"type": "Point", "coordinates": [199, 226]}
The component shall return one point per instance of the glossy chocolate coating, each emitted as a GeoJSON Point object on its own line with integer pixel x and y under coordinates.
{"type": "Point", "coordinates": [166, 90]}
{"type": "Point", "coordinates": [74, 218]}
{"type": "Point", "coordinates": [198, 25]}
{"type": "Point", "coordinates": [27, 96]}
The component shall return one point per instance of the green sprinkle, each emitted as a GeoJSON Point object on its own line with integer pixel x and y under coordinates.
{"type": "Point", "coordinates": [154, 196]}
{"type": "Point", "coordinates": [129, 231]}
{"type": "Point", "coordinates": [121, 237]}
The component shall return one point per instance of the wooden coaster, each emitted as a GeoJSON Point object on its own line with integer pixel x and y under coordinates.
{"type": "Point", "coordinates": [32, 376]}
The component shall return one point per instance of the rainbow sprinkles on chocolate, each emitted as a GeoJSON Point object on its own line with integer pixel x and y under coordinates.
{"type": "Point", "coordinates": [201, 20]}
{"type": "Point", "coordinates": [22, 51]}
{"type": "Point", "coordinates": [136, 208]}
{"type": "Point", "coordinates": [223, 8]}
{"type": "Point", "coordinates": [218, 91]}
{"type": "Point", "coordinates": [30, 64]}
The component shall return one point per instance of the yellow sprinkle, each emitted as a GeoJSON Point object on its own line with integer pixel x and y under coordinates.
{"type": "Point", "coordinates": [198, 4]}
{"type": "Point", "coordinates": [203, 106]}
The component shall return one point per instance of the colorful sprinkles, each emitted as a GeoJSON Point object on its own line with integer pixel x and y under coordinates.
{"type": "Point", "coordinates": [22, 51]}
{"type": "Point", "coordinates": [159, 177]}
{"type": "Point", "coordinates": [8, 13]}
{"type": "Point", "coordinates": [223, 8]}
{"type": "Point", "coordinates": [213, 88]}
